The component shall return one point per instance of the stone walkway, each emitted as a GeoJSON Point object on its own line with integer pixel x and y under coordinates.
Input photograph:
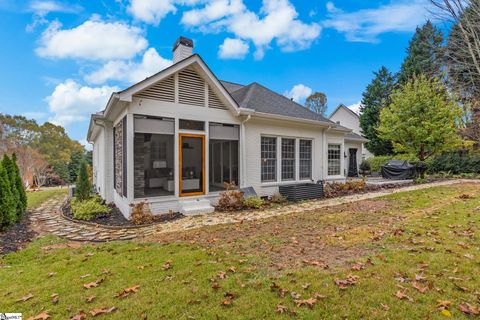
{"type": "Point", "coordinates": [47, 219]}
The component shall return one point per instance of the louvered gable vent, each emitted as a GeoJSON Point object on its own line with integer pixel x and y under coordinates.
{"type": "Point", "coordinates": [191, 88]}
{"type": "Point", "coordinates": [163, 91]}
{"type": "Point", "coordinates": [213, 100]}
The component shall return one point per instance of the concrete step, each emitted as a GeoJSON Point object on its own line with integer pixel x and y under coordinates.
{"type": "Point", "coordinates": [196, 207]}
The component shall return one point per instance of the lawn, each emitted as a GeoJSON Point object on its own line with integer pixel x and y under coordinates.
{"type": "Point", "coordinates": [35, 199]}
{"type": "Point", "coordinates": [412, 255]}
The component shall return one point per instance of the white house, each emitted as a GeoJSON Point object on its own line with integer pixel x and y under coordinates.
{"type": "Point", "coordinates": [346, 117]}
{"type": "Point", "coordinates": [173, 139]}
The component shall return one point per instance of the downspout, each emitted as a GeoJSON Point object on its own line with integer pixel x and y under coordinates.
{"type": "Point", "coordinates": [244, 160]}
{"type": "Point", "coordinates": [325, 154]}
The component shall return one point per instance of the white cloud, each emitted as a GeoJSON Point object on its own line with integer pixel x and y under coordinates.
{"type": "Point", "coordinates": [41, 8]}
{"type": "Point", "coordinates": [151, 11]}
{"type": "Point", "coordinates": [298, 93]}
{"type": "Point", "coordinates": [233, 49]}
{"type": "Point", "coordinates": [71, 102]}
{"type": "Point", "coordinates": [331, 8]}
{"type": "Point", "coordinates": [277, 21]}
{"type": "Point", "coordinates": [92, 40]}
{"type": "Point", "coordinates": [130, 72]}
{"type": "Point", "coordinates": [367, 24]}
{"type": "Point", "coordinates": [88, 146]}
{"type": "Point", "coordinates": [355, 107]}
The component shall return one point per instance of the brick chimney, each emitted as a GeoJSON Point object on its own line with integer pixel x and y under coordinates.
{"type": "Point", "coordinates": [182, 49]}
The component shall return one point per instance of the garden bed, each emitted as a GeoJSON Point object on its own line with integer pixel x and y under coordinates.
{"type": "Point", "coordinates": [17, 236]}
{"type": "Point", "coordinates": [115, 218]}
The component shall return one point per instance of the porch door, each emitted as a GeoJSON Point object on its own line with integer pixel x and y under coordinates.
{"type": "Point", "coordinates": [352, 165]}
{"type": "Point", "coordinates": [192, 164]}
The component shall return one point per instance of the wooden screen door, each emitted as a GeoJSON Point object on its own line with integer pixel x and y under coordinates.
{"type": "Point", "coordinates": [192, 164]}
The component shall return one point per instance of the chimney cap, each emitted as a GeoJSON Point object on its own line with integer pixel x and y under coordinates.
{"type": "Point", "coordinates": [183, 41]}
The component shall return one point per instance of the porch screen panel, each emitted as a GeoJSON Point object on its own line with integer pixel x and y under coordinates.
{"type": "Point", "coordinates": [334, 157]}
{"type": "Point", "coordinates": [305, 154]}
{"type": "Point", "coordinates": [268, 159]}
{"type": "Point", "coordinates": [288, 159]}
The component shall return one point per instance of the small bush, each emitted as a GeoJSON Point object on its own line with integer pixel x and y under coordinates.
{"type": "Point", "coordinates": [83, 186]}
{"type": "Point", "coordinates": [377, 162]}
{"type": "Point", "coordinates": [333, 189]}
{"type": "Point", "coordinates": [88, 209]}
{"type": "Point", "coordinates": [8, 207]}
{"type": "Point", "coordinates": [458, 162]}
{"type": "Point", "coordinates": [231, 199]}
{"type": "Point", "coordinates": [141, 214]}
{"type": "Point", "coordinates": [278, 199]}
{"type": "Point", "coordinates": [253, 202]}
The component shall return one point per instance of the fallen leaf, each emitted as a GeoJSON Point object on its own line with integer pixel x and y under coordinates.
{"type": "Point", "coordinates": [93, 284]}
{"type": "Point", "coordinates": [25, 298]}
{"type": "Point", "coordinates": [306, 286]}
{"type": "Point", "coordinates": [167, 265]}
{"type": "Point", "coordinates": [402, 296]}
{"type": "Point", "coordinates": [98, 311]}
{"type": "Point", "coordinates": [385, 306]}
{"type": "Point", "coordinates": [295, 295]}
{"type": "Point", "coordinates": [127, 291]}
{"type": "Point", "coordinates": [358, 266]}
{"type": "Point", "coordinates": [85, 276]}
{"type": "Point", "coordinates": [307, 302]}
{"type": "Point", "coordinates": [41, 316]}
{"type": "Point", "coordinates": [281, 309]}
{"type": "Point", "coordinates": [80, 316]}
{"type": "Point", "coordinates": [446, 313]}
{"type": "Point", "coordinates": [443, 304]}
{"type": "Point", "coordinates": [232, 269]}
{"type": "Point", "coordinates": [317, 295]}
{"type": "Point", "coordinates": [351, 280]}
{"type": "Point", "coordinates": [215, 285]}
{"type": "Point", "coordinates": [222, 275]}
{"type": "Point", "coordinates": [419, 288]}
{"type": "Point", "coordinates": [226, 302]}
{"type": "Point", "coordinates": [51, 274]}
{"type": "Point", "coordinates": [468, 309]}
{"type": "Point", "coordinates": [90, 299]}
{"type": "Point", "coordinates": [54, 298]}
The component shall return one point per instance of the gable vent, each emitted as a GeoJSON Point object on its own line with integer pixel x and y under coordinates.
{"type": "Point", "coordinates": [163, 91]}
{"type": "Point", "coordinates": [214, 101]}
{"type": "Point", "coordinates": [191, 88]}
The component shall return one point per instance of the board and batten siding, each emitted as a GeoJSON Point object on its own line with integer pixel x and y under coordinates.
{"type": "Point", "coordinates": [256, 128]}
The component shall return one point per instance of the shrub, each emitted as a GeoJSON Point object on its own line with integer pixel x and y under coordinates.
{"type": "Point", "coordinates": [83, 187]}
{"type": "Point", "coordinates": [457, 162]}
{"type": "Point", "coordinates": [20, 187]}
{"type": "Point", "coordinates": [8, 208]}
{"type": "Point", "coordinates": [377, 162]}
{"type": "Point", "coordinates": [365, 166]}
{"type": "Point", "coordinates": [333, 189]}
{"type": "Point", "coordinates": [253, 202]}
{"type": "Point", "coordinates": [231, 199]}
{"type": "Point", "coordinates": [88, 209]}
{"type": "Point", "coordinates": [278, 198]}
{"type": "Point", "coordinates": [141, 213]}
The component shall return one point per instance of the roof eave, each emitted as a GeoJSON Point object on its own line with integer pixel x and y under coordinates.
{"type": "Point", "coordinates": [325, 124]}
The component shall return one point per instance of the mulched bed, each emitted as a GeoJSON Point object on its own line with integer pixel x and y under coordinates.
{"type": "Point", "coordinates": [367, 189]}
{"type": "Point", "coordinates": [16, 237]}
{"type": "Point", "coordinates": [116, 219]}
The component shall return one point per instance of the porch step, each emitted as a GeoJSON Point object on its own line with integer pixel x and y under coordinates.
{"type": "Point", "coordinates": [196, 207]}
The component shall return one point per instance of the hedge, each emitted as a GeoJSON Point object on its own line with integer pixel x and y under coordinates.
{"type": "Point", "coordinates": [377, 162]}
{"type": "Point", "coordinates": [456, 162]}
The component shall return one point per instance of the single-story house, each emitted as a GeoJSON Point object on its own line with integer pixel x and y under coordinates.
{"type": "Point", "coordinates": [173, 139]}
{"type": "Point", "coordinates": [348, 118]}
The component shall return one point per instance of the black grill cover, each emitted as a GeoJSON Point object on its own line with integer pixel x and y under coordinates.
{"type": "Point", "coordinates": [398, 170]}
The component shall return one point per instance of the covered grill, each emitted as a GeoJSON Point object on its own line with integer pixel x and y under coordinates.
{"type": "Point", "coordinates": [398, 170]}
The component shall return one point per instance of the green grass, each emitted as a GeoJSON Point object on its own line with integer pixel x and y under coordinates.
{"type": "Point", "coordinates": [35, 199]}
{"type": "Point", "coordinates": [437, 238]}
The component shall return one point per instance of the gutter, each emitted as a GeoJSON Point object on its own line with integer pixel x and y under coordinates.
{"type": "Point", "coordinates": [300, 120]}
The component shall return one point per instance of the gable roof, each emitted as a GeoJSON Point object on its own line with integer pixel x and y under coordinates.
{"type": "Point", "coordinates": [261, 99]}
{"type": "Point", "coordinates": [342, 106]}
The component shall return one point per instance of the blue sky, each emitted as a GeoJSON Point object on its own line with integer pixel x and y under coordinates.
{"type": "Point", "coordinates": [62, 59]}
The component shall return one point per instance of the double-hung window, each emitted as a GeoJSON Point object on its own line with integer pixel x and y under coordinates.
{"type": "Point", "coordinates": [288, 159]}
{"type": "Point", "coordinates": [305, 154]}
{"type": "Point", "coordinates": [268, 159]}
{"type": "Point", "coordinates": [334, 159]}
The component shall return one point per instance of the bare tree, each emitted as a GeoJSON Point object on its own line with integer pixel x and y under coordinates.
{"type": "Point", "coordinates": [40, 175]}
{"type": "Point", "coordinates": [462, 56]}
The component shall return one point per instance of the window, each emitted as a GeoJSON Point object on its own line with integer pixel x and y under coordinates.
{"type": "Point", "coordinates": [191, 125]}
{"type": "Point", "coordinates": [333, 159]}
{"type": "Point", "coordinates": [288, 159]}
{"type": "Point", "coordinates": [305, 159]}
{"type": "Point", "coordinates": [269, 159]}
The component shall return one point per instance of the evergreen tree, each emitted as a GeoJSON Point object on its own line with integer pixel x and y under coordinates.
{"type": "Point", "coordinates": [83, 185]}
{"type": "Point", "coordinates": [20, 187]}
{"type": "Point", "coordinates": [7, 202]}
{"type": "Point", "coordinates": [74, 164]}
{"type": "Point", "coordinates": [424, 54]}
{"type": "Point", "coordinates": [12, 180]}
{"type": "Point", "coordinates": [375, 98]}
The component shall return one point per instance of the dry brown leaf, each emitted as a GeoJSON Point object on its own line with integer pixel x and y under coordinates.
{"type": "Point", "coordinates": [51, 274]}
{"type": "Point", "coordinates": [85, 276]}
{"type": "Point", "coordinates": [282, 309]}
{"type": "Point", "coordinates": [295, 295]}
{"type": "Point", "coordinates": [443, 304]}
{"type": "Point", "coordinates": [98, 311]}
{"type": "Point", "coordinates": [226, 302]}
{"type": "Point", "coordinates": [317, 295]}
{"type": "Point", "coordinates": [467, 308]}
{"type": "Point", "coordinates": [127, 291]}
{"type": "Point", "coordinates": [232, 269]}
{"type": "Point", "coordinates": [41, 316]}
{"type": "Point", "coordinates": [54, 298]}
{"type": "Point", "coordinates": [167, 265]}
{"type": "Point", "coordinates": [306, 286]}
{"type": "Point", "coordinates": [90, 298]}
{"type": "Point", "coordinates": [25, 298]}
{"type": "Point", "coordinates": [385, 306]}
{"type": "Point", "coordinates": [80, 316]}
{"type": "Point", "coordinates": [419, 288]}
{"type": "Point", "coordinates": [215, 285]}
{"type": "Point", "coordinates": [402, 296]}
{"type": "Point", "coordinates": [93, 284]}
{"type": "Point", "coordinates": [307, 302]}
{"type": "Point", "coordinates": [351, 280]}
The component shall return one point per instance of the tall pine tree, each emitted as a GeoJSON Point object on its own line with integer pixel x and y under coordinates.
{"type": "Point", "coordinates": [8, 211]}
{"type": "Point", "coordinates": [12, 179]}
{"type": "Point", "coordinates": [20, 187]}
{"type": "Point", "coordinates": [375, 98]}
{"type": "Point", "coordinates": [424, 54]}
{"type": "Point", "coordinates": [83, 185]}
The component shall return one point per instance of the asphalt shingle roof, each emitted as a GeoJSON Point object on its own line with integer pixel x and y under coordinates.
{"type": "Point", "coordinates": [261, 99]}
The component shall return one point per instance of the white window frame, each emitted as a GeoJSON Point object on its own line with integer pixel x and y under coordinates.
{"type": "Point", "coordinates": [339, 145]}
{"type": "Point", "coordinates": [311, 160]}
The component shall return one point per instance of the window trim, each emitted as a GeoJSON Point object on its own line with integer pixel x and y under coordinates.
{"type": "Point", "coordinates": [294, 159]}
{"type": "Point", "coordinates": [339, 159]}
{"type": "Point", "coordinates": [310, 177]}
{"type": "Point", "coordinates": [275, 159]}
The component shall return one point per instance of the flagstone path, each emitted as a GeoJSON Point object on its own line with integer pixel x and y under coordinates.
{"type": "Point", "coordinates": [48, 219]}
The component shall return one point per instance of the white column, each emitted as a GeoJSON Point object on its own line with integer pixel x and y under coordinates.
{"type": "Point", "coordinates": [176, 160]}
{"type": "Point", "coordinates": [130, 157]}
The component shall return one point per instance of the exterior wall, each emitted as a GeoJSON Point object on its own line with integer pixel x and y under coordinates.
{"type": "Point", "coordinates": [256, 128]}
{"type": "Point", "coordinates": [98, 159]}
{"type": "Point", "coordinates": [347, 119]}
